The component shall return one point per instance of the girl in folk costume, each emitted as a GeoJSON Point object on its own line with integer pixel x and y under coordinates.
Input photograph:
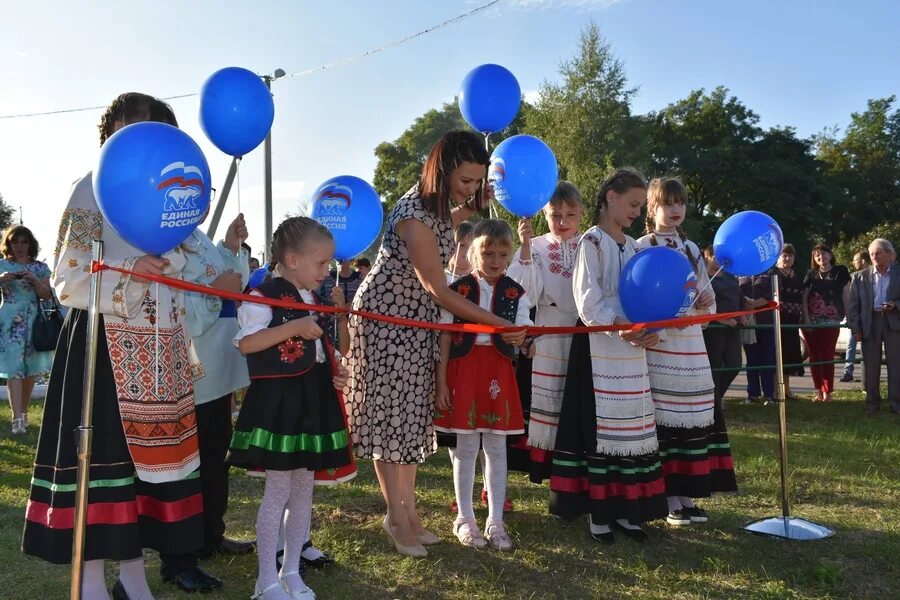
{"type": "Point", "coordinates": [544, 267]}
{"type": "Point", "coordinates": [606, 462]}
{"type": "Point", "coordinates": [477, 396]}
{"type": "Point", "coordinates": [144, 490]}
{"type": "Point", "coordinates": [693, 441]}
{"type": "Point", "coordinates": [291, 422]}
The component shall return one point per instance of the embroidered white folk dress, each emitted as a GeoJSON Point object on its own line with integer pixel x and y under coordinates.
{"type": "Point", "coordinates": [680, 378]}
{"type": "Point", "coordinates": [548, 281]}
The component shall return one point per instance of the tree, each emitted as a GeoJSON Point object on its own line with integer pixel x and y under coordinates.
{"type": "Point", "coordinates": [865, 168]}
{"type": "Point", "coordinates": [729, 164]}
{"type": "Point", "coordinates": [845, 249]}
{"type": "Point", "coordinates": [586, 117]}
{"type": "Point", "coordinates": [6, 214]}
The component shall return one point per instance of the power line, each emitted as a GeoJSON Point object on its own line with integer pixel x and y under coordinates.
{"type": "Point", "coordinates": [338, 63]}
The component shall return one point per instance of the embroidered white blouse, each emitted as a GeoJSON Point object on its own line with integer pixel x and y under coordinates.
{"type": "Point", "coordinates": [548, 277]}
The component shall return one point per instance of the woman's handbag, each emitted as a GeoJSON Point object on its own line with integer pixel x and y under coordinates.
{"type": "Point", "coordinates": [47, 326]}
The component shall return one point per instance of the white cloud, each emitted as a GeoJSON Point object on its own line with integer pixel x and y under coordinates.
{"type": "Point", "coordinates": [22, 53]}
{"type": "Point", "coordinates": [532, 97]}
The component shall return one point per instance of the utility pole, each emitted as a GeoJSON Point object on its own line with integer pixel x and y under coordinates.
{"type": "Point", "coordinates": [267, 179]}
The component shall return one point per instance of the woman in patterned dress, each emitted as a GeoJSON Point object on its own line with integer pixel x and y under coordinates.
{"type": "Point", "coordinates": [24, 282]}
{"type": "Point", "coordinates": [392, 368]}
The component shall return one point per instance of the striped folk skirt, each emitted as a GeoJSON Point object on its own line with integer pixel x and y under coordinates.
{"type": "Point", "coordinates": [693, 441]}
{"type": "Point", "coordinates": [606, 462]}
{"type": "Point", "coordinates": [124, 515]}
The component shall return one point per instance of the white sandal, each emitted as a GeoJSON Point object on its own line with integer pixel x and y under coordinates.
{"type": "Point", "coordinates": [18, 426]}
{"type": "Point", "coordinates": [273, 592]}
{"type": "Point", "coordinates": [497, 535]}
{"type": "Point", "coordinates": [304, 593]}
{"type": "Point", "coordinates": [468, 534]}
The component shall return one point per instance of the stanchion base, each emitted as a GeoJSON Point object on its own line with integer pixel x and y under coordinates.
{"type": "Point", "coordinates": [790, 528]}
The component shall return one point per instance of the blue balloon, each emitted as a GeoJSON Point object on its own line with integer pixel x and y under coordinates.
{"type": "Point", "coordinates": [258, 277]}
{"type": "Point", "coordinates": [656, 284]}
{"type": "Point", "coordinates": [236, 110]}
{"type": "Point", "coordinates": [748, 243]}
{"type": "Point", "coordinates": [489, 98]}
{"type": "Point", "coordinates": [152, 185]}
{"type": "Point", "coordinates": [524, 174]}
{"type": "Point", "coordinates": [351, 210]}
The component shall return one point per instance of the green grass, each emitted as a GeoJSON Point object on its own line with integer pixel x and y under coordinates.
{"type": "Point", "coordinates": [845, 473]}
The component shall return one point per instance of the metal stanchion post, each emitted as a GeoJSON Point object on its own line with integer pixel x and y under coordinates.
{"type": "Point", "coordinates": [784, 526]}
{"type": "Point", "coordinates": [85, 431]}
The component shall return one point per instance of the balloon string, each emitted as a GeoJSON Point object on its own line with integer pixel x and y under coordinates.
{"type": "Point", "coordinates": [705, 287]}
{"type": "Point", "coordinates": [237, 172]}
{"type": "Point", "coordinates": [492, 212]}
{"type": "Point", "coordinates": [156, 336]}
{"type": "Point", "coordinates": [337, 284]}
{"type": "Point", "coordinates": [455, 265]}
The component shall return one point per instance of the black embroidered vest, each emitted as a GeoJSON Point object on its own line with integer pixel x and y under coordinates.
{"type": "Point", "coordinates": [504, 304]}
{"type": "Point", "coordinates": [294, 356]}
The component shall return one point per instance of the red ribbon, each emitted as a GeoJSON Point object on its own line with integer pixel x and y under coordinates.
{"type": "Point", "coordinates": [187, 286]}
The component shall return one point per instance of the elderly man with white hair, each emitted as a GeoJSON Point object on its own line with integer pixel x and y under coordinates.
{"type": "Point", "coordinates": [875, 321]}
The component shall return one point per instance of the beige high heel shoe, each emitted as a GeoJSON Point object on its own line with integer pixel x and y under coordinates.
{"type": "Point", "coordinates": [417, 551]}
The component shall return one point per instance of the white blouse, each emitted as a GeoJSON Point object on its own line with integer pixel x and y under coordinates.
{"type": "Point", "coordinates": [548, 277]}
{"type": "Point", "coordinates": [595, 282]}
{"type": "Point", "coordinates": [485, 301]}
{"type": "Point", "coordinates": [254, 317]}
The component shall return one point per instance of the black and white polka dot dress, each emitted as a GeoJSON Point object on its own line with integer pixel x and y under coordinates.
{"type": "Point", "coordinates": [391, 399]}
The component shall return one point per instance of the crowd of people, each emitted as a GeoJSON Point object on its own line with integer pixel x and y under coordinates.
{"type": "Point", "coordinates": [625, 427]}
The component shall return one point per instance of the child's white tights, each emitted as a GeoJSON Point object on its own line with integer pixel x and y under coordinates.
{"type": "Point", "coordinates": [288, 494]}
{"type": "Point", "coordinates": [464, 457]}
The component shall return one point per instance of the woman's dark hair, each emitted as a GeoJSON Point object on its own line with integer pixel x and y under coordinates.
{"type": "Point", "coordinates": [620, 181]}
{"type": "Point", "coordinates": [453, 149]}
{"type": "Point", "coordinates": [812, 259]}
{"type": "Point", "coordinates": [134, 107]}
{"type": "Point", "coordinates": [362, 262]}
{"type": "Point", "coordinates": [292, 234]}
{"type": "Point", "coordinates": [789, 249]}
{"type": "Point", "coordinates": [18, 231]}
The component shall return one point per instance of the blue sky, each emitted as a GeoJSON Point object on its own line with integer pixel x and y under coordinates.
{"type": "Point", "coordinates": [806, 64]}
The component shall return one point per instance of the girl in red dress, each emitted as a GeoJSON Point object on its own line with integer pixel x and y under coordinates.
{"type": "Point", "coordinates": [477, 395]}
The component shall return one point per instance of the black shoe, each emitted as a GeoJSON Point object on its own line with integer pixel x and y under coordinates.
{"type": "Point", "coordinates": [229, 546]}
{"type": "Point", "coordinates": [118, 591]}
{"type": "Point", "coordinates": [638, 535]}
{"type": "Point", "coordinates": [696, 514]}
{"type": "Point", "coordinates": [326, 560]}
{"type": "Point", "coordinates": [607, 538]}
{"type": "Point", "coordinates": [195, 579]}
{"type": "Point", "coordinates": [847, 378]}
{"type": "Point", "coordinates": [751, 399]}
{"type": "Point", "coordinates": [279, 562]}
{"type": "Point", "coordinates": [678, 518]}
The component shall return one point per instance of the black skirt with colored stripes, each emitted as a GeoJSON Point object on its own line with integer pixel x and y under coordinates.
{"type": "Point", "coordinates": [582, 481]}
{"type": "Point", "coordinates": [697, 462]}
{"type": "Point", "coordinates": [125, 515]}
{"type": "Point", "coordinates": [289, 423]}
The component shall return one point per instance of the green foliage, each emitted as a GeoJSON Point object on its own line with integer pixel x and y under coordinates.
{"type": "Point", "coordinates": [847, 248]}
{"type": "Point", "coordinates": [829, 188]}
{"type": "Point", "coordinates": [864, 166]}
{"type": "Point", "coordinates": [6, 214]}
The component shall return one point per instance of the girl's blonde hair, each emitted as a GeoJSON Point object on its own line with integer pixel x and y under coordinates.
{"type": "Point", "coordinates": [488, 232]}
{"type": "Point", "coordinates": [566, 192]}
{"type": "Point", "coordinates": [292, 234]}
